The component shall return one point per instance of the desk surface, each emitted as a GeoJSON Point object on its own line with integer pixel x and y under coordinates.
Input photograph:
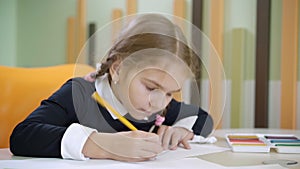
{"type": "Point", "coordinates": [5, 154]}
{"type": "Point", "coordinates": [229, 158]}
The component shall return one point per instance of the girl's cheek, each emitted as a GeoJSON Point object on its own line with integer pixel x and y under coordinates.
{"type": "Point", "coordinates": [138, 97]}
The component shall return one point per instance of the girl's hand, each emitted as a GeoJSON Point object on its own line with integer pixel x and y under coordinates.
{"type": "Point", "coordinates": [171, 137]}
{"type": "Point", "coordinates": [123, 146]}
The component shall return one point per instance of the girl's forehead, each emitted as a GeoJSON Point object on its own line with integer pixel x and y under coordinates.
{"type": "Point", "coordinates": [161, 76]}
{"type": "Point", "coordinates": [156, 58]}
{"type": "Point", "coordinates": [152, 72]}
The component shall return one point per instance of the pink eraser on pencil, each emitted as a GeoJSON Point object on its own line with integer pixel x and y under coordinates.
{"type": "Point", "coordinates": [159, 120]}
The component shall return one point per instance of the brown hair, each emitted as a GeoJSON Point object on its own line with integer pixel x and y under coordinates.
{"type": "Point", "coordinates": [150, 31]}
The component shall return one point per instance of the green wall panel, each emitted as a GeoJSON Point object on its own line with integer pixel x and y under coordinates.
{"type": "Point", "coordinates": [238, 54]}
{"type": "Point", "coordinates": [275, 41]}
{"type": "Point", "coordinates": [8, 25]}
{"type": "Point", "coordinates": [41, 31]}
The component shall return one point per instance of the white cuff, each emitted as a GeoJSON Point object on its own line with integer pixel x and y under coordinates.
{"type": "Point", "coordinates": [73, 141]}
{"type": "Point", "coordinates": [187, 122]}
{"type": "Point", "coordinates": [201, 140]}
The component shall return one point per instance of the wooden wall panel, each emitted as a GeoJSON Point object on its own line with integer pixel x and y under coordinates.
{"type": "Point", "coordinates": [131, 6]}
{"type": "Point", "coordinates": [216, 37]}
{"type": "Point", "coordinates": [262, 63]}
{"type": "Point", "coordinates": [116, 14]}
{"type": "Point", "coordinates": [289, 61]}
{"type": "Point", "coordinates": [217, 25]}
{"type": "Point", "coordinates": [197, 13]}
{"type": "Point", "coordinates": [81, 25]}
{"type": "Point", "coordinates": [179, 10]}
{"type": "Point", "coordinates": [92, 45]}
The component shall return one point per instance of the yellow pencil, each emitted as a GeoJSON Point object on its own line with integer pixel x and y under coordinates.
{"type": "Point", "coordinates": [101, 101]}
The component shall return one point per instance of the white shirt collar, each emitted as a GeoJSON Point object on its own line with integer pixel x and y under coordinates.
{"type": "Point", "coordinates": [104, 90]}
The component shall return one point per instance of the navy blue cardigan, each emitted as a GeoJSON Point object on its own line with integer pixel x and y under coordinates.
{"type": "Point", "coordinates": [40, 134]}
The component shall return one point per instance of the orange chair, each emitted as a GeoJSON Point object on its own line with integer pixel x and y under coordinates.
{"type": "Point", "coordinates": [22, 90]}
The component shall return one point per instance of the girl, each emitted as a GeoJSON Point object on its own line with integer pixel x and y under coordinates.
{"type": "Point", "coordinates": [144, 68]}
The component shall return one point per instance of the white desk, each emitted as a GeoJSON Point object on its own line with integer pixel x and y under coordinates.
{"type": "Point", "coordinates": [233, 159]}
{"type": "Point", "coordinates": [5, 154]}
{"type": "Point", "coordinates": [222, 158]}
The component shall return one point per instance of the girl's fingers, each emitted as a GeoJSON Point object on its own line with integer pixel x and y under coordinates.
{"type": "Point", "coordinates": [161, 132]}
{"type": "Point", "coordinates": [175, 140]}
{"type": "Point", "coordinates": [186, 144]}
{"type": "Point", "coordinates": [153, 147]}
{"type": "Point", "coordinates": [185, 140]}
{"type": "Point", "coordinates": [167, 137]}
{"type": "Point", "coordinates": [152, 137]}
{"type": "Point", "coordinates": [171, 137]}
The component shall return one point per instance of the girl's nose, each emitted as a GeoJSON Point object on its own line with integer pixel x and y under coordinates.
{"type": "Point", "coordinates": [157, 98]}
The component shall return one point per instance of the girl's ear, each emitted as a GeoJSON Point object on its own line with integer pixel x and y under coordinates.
{"type": "Point", "coordinates": [114, 70]}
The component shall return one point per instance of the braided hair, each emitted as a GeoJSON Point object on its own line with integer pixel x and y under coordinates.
{"type": "Point", "coordinates": [150, 31]}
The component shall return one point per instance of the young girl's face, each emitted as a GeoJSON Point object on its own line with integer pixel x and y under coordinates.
{"type": "Point", "coordinates": [148, 90]}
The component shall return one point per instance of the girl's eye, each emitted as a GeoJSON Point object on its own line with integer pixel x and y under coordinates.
{"type": "Point", "coordinates": [150, 88]}
{"type": "Point", "coordinates": [169, 94]}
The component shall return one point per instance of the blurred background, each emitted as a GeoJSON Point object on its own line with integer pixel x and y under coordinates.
{"type": "Point", "coordinates": [257, 41]}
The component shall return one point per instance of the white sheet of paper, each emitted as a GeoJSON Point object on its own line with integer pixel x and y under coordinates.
{"type": "Point", "coordinates": [196, 149]}
{"type": "Point", "coordinates": [167, 160]}
{"type": "Point", "coordinates": [190, 163]}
